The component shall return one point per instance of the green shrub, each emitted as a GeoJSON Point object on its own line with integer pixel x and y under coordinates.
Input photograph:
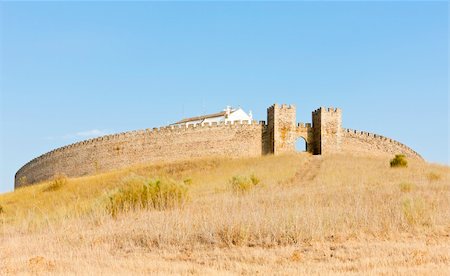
{"type": "Point", "coordinates": [188, 181]}
{"type": "Point", "coordinates": [399, 161]}
{"type": "Point", "coordinates": [242, 184]}
{"type": "Point", "coordinates": [166, 194]}
{"type": "Point", "coordinates": [254, 180]}
{"type": "Point", "coordinates": [142, 193]}
{"type": "Point", "coordinates": [1, 210]}
{"type": "Point", "coordinates": [58, 181]}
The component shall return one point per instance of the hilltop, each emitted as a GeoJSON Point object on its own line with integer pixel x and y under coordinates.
{"type": "Point", "coordinates": [286, 214]}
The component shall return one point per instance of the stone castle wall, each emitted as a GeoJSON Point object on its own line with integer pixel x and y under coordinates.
{"type": "Point", "coordinates": [331, 137]}
{"type": "Point", "coordinates": [145, 146]}
{"type": "Point", "coordinates": [324, 136]}
{"type": "Point", "coordinates": [365, 143]}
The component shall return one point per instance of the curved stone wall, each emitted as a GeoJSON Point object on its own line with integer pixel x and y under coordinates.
{"type": "Point", "coordinates": [324, 136]}
{"type": "Point", "coordinates": [145, 146]}
{"type": "Point", "coordinates": [366, 143]}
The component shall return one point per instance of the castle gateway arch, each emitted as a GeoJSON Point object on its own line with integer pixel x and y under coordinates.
{"type": "Point", "coordinates": [324, 135]}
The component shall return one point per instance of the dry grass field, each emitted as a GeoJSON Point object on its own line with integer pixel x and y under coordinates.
{"type": "Point", "coordinates": [292, 214]}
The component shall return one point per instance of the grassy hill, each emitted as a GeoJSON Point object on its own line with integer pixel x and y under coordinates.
{"type": "Point", "coordinates": [272, 215]}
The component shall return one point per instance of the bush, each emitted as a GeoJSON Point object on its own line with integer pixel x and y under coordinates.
{"type": "Point", "coordinates": [254, 180]}
{"type": "Point", "coordinates": [399, 161]}
{"type": "Point", "coordinates": [242, 184]}
{"type": "Point", "coordinates": [142, 193]}
{"type": "Point", "coordinates": [234, 235]}
{"type": "Point", "coordinates": [166, 194]}
{"type": "Point", "coordinates": [415, 211]}
{"type": "Point", "coordinates": [58, 181]}
{"type": "Point", "coordinates": [1, 210]}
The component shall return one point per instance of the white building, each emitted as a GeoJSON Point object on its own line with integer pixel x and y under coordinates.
{"type": "Point", "coordinates": [229, 114]}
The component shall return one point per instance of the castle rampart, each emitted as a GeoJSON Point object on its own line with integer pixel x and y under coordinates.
{"type": "Point", "coordinates": [366, 143]}
{"type": "Point", "coordinates": [144, 146]}
{"type": "Point", "coordinates": [232, 139]}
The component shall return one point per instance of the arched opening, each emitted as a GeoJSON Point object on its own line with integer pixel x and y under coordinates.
{"type": "Point", "coordinates": [301, 145]}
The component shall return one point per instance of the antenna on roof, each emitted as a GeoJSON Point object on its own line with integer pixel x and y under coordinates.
{"type": "Point", "coordinates": [227, 111]}
{"type": "Point", "coordinates": [203, 106]}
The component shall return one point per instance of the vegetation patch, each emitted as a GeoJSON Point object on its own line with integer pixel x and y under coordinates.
{"type": "Point", "coordinates": [399, 161]}
{"type": "Point", "coordinates": [58, 181]}
{"type": "Point", "coordinates": [415, 211]}
{"type": "Point", "coordinates": [406, 187]}
{"type": "Point", "coordinates": [1, 210]}
{"type": "Point", "coordinates": [142, 193]}
{"type": "Point", "coordinates": [243, 184]}
{"type": "Point", "coordinates": [234, 235]}
{"type": "Point", "coordinates": [432, 177]}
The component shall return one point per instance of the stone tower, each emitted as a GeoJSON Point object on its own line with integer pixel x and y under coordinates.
{"type": "Point", "coordinates": [327, 130]}
{"type": "Point", "coordinates": [281, 123]}
{"type": "Point", "coordinates": [203, 140]}
{"type": "Point", "coordinates": [325, 135]}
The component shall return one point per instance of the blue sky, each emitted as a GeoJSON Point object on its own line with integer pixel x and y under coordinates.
{"type": "Point", "coordinates": [70, 71]}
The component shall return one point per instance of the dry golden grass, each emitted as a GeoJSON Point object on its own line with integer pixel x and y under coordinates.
{"type": "Point", "coordinates": [308, 215]}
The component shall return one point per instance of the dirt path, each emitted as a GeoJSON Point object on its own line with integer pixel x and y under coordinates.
{"type": "Point", "coordinates": [309, 170]}
{"type": "Point", "coordinates": [306, 172]}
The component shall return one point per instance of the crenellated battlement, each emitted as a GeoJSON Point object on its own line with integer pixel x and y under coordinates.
{"type": "Point", "coordinates": [327, 110]}
{"type": "Point", "coordinates": [128, 135]}
{"type": "Point", "coordinates": [304, 125]}
{"type": "Point", "coordinates": [287, 106]}
{"type": "Point", "coordinates": [371, 138]}
{"type": "Point", "coordinates": [272, 107]}
{"type": "Point", "coordinates": [282, 106]}
{"type": "Point", "coordinates": [227, 139]}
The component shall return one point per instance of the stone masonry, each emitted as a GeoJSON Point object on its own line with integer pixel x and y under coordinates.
{"type": "Point", "coordinates": [231, 140]}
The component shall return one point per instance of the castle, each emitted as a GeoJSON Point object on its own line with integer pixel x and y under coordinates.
{"type": "Point", "coordinates": [232, 139]}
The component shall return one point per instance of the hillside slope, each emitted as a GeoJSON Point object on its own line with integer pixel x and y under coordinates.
{"type": "Point", "coordinates": [308, 214]}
